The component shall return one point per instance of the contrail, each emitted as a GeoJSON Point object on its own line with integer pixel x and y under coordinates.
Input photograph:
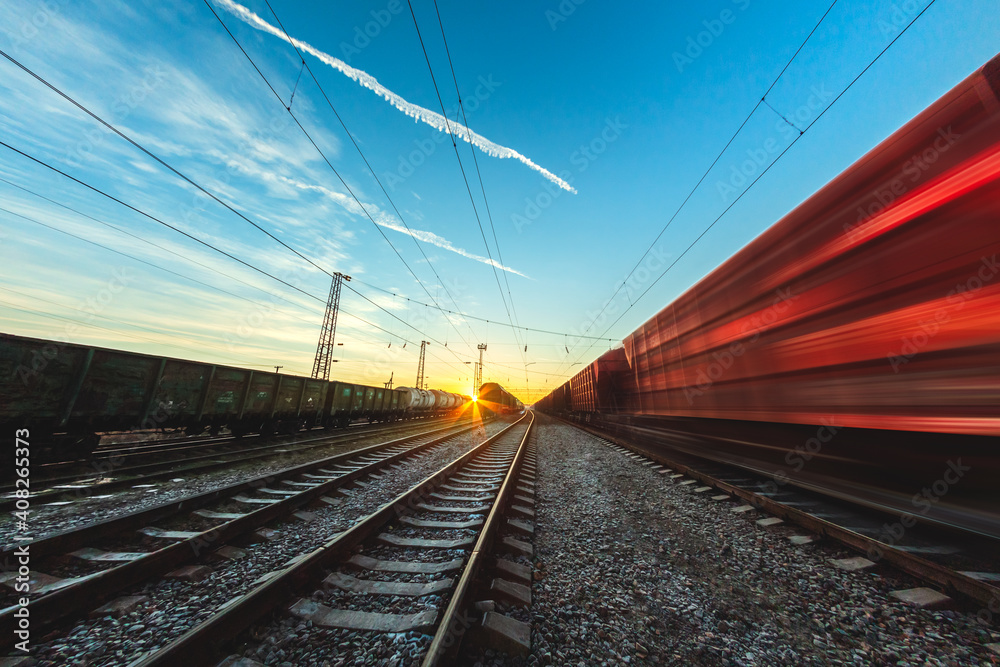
{"type": "Point", "coordinates": [380, 218]}
{"type": "Point", "coordinates": [441, 242]}
{"type": "Point", "coordinates": [435, 120]}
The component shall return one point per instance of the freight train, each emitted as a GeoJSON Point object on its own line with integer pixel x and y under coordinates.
{"type": "Point", "coordinates": [498, 399]}
{"type": "Point", "coordinates": [854, 346]}
{"type": "Point", "coordinates": [67, 394]}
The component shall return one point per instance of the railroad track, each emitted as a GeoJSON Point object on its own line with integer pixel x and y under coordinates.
{"type": "Point", "coordinates": [956, 564]}
{"type": "Point", "coordinates": [110, 473]}
{"type": "Point", "coordinates": [173, 445]}
{"type": "Point", "coordinates": [422, 556]}
{"type": "Point", "coordinates": [74, 571]}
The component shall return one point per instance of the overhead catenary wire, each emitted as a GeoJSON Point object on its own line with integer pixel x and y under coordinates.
{"type": "Point", "coordinates": [323, 155]}
{"type": "Point", "coordinates": [187, 258]}
{"type": "Point", "coordinates": [148, 242]}
{"type": "Point", "coordinates": [140, 260]}
{"type": "Point", "coordinates": [214, 197]}
{"type": "Point", "coordinates": [371, 170]}
{"type": "Point", "coordinates": [465, 178]}
{"type": "Point", "coordinates": [196, 185]}
{"type": "Point", "coordinates": [481, 319]}
{"type": "Point", "coordinates": [482, 186]}
{"type": "Point", "coordinates": [701, 180]}
{"type": "Point", "coordinates": [206, 244]}
{"type": "Point", "coordinates": [768, 168]}
{"type": "Point", "coordinates": [159, 221]}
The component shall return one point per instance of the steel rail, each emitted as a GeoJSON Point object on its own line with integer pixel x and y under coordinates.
{"type": "Point", "coordinates": [171, 468]}
{"type": "Point", "coordinates": [205, 643]}
{"type": "Point", "coordinates": [952, 581]}
{"type": "Point", "coordinates": [452, 624]}
{"type": "Point", "coordinates": [93, 589]}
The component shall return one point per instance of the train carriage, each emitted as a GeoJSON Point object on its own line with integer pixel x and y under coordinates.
{"type": "Point", "coordinates": [67, 394]}
{"type": "Point", "coordinates": [871, 311]}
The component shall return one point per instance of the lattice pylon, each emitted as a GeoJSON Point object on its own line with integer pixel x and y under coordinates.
{"type": "Point", "coordinates": [420, 365]}
{"type": "Point", "coordinates": [324, 349]}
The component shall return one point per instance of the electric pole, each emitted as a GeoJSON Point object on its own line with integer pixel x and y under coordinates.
{"type": "Point", "coordinates": [388, 385]}
{"type": "Point", "coordinates": [479, 366]}
{"type": "Point", "coordinates": [420, 365]}
{"type": "Point", "coordinates": [324, 349]}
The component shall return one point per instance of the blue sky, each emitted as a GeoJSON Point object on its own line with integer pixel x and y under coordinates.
{"type": "Point", "coordinates": [620, 108]}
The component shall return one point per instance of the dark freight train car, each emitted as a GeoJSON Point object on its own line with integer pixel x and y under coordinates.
{"type": "Point", "coordinates": [67, 394]}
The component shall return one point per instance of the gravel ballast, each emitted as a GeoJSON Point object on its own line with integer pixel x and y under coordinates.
{"type": "Point", "coordinates": [633, 568]}
{"type": "Point", "coordinates": [174, 606]}
{"type": "Point", "coordinates": [87, 505]}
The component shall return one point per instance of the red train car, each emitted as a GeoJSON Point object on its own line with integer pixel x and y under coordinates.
{"type": "Point", "coordinates": [873, 307]}
{"type": "Point", "coordinates": [875, 303]}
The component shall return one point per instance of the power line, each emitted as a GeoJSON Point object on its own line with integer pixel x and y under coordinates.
{"type": "Point", "coordinates": [480, 319]}
{"type": "Point", "coordinates": [475, 161]}
{"type": "Point", "coordinates": [768, 168]}
{"type": "Point", "coordinates": [227, 205]}
{"type": "Point", "coordinates": [350, 135]}
{"type": "Point", "coordinates": [145, 214]}
{"type": "Point", "coordinates": [137, 259]}
{"type": "Point", "coordinates": [147, 241]}
{"type": "Point", "coordinates": [202, 189]}
{"type": "Point", "coordinates": [142, 148]}
{"type": "Point", "coordinates": [718, 157]}
{"type": "Point", "coordinates": [155, 245]}
{"type": "Point", "coordinates": [461, 167]}
{"type": "Point", "coordinates": [157, 220]}
{"type": "Point", "coordinates": [329, 164]}
{"type": "Point", "coordinates": [208, 245]}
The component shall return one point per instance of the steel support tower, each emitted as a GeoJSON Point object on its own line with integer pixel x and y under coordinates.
{"type": "Point", "coordinates": [324, 349]}
{"type": "Point", "coordinates": [420, 365]}
{"type": "Point", "coordinates": [479, 367]}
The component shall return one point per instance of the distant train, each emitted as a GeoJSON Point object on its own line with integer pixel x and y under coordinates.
{"type": "Point", "coordinates": [852, 347]}
{"type": "Point", "coordinates": [498, 399]}
{"type": "Point", "coordinates": [66, 394]}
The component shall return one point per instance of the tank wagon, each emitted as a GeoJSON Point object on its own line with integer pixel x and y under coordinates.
{"type": "Point", "coordinates": [432, 401]}
{"type": "Point", "coordinates": [498, 399]}
{"type": "Point", "coordinates": [66, 394]}
{"type": "Point", "coordinates": [852, 347]}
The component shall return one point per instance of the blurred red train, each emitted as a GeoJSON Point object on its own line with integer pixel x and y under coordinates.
{"type": "Point", "coordinates": [871, 310]}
